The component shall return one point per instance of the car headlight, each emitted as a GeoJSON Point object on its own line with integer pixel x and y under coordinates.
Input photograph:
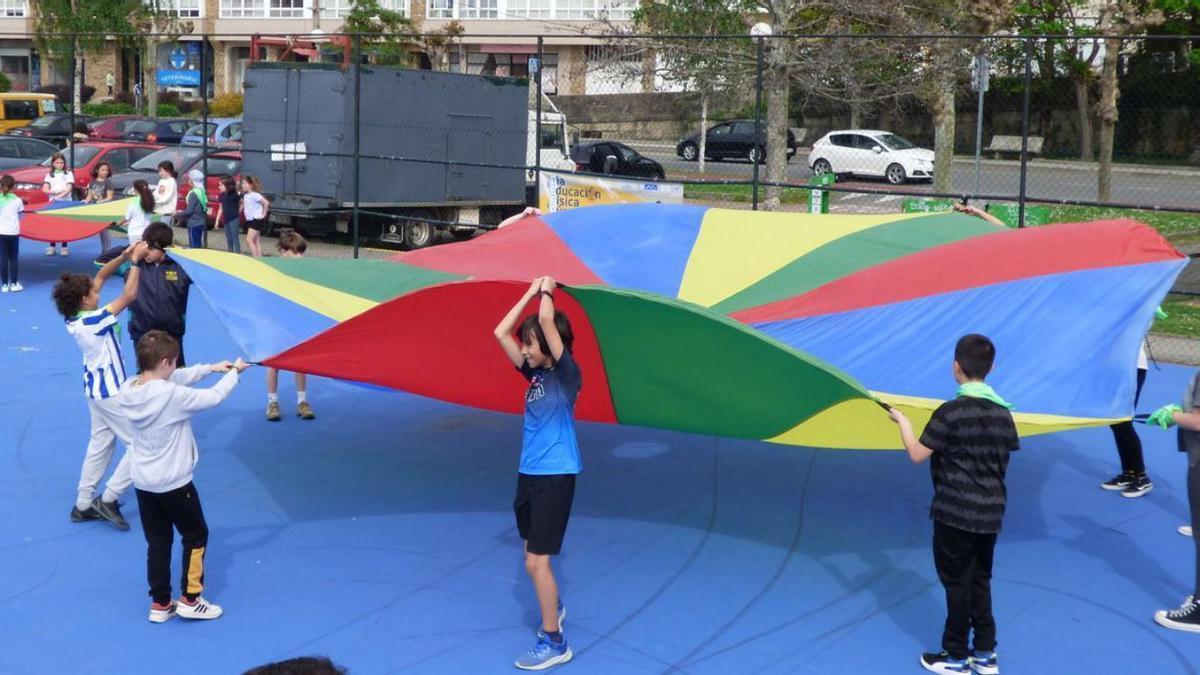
{"type": "Point", "coordinates": [26, 186]}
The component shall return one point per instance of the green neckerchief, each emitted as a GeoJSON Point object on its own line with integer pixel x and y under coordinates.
{"type": "Point", "coordinates": [982, 390]}
{"type": "Point", "coordinates": [201, 197]}
{"type": "Point", "coordinates": [7, 197]}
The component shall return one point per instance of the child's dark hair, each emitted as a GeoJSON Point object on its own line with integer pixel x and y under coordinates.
{"type": "Point", "coordinates": [229, 183]}
{"type": "Point", "coordinates": [975, 354]}
{"type": "Point", "coordinates": [96, 169]}
{"type": "Point", "coordinates": [69, 293]}
{"type": "Point", "coordinates": [292, 241]}
{"type": "Point", "coordinates": [167, 166]}
{"type": "Point", "coordinates": [301, 665]}
{"type": "Point", "coordinates": [531, 329]}
{"type": "Point", "coordinates": [7, 183]}
{"type": "Point", "coordinates": [159, 236]}
{"type": "Point", "coordinates": [155, 347]}
{"type": "Point", "coordinates": [145, 196]}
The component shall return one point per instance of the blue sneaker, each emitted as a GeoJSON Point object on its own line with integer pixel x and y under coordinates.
{"type": "Point", "coordinates": [544, 654]}
{"type": "Point", "coordinates": [985, 663]}
{"type": "Point", "coordinates": [944, 665]}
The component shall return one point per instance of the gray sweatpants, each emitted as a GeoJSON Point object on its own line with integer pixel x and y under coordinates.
{"type": "Point", "coordinates": [108, 425]}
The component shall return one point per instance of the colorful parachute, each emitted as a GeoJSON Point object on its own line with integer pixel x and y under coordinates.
{"type": "Point", "coordinates": [751, 325]}
{"type": "Point", "coordinates": [70, 221]}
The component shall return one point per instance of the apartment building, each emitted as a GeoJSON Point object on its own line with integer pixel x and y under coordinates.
{"type": "Point", "coordinates": [574, 63]}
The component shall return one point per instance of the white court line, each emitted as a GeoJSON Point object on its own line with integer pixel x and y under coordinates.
{"type": "Point", "coordinates": [887, 198]}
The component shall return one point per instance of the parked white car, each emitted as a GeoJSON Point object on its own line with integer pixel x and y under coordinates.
{"type": "Point", "coordinates": [864, 152]}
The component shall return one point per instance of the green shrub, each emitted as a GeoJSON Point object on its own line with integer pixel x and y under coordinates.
{"type": "Point", "coordinates": [226, 105]}
{"type": "Point", "coordinates": [167, 110]}
{"type": "Point", "coordinates": [5, 83]}
{"type": "Point", "coordinates": [106, 109]}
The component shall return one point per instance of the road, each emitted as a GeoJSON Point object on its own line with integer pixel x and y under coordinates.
{"type": "Point", "coordinates": [1048, 179]}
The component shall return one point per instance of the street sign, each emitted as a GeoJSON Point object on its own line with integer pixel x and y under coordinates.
{"type": "Point", "coordinates": [981, 72]}
{"type": "Point", "coordinates": [534, 65]}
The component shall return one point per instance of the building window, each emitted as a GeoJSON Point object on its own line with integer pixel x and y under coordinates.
{"type": "Point", "coordinates": [188, 9]}
{"type": "Point", "coordinates": [528, 9]}
{"type": "Point", "coordinates": [598, 55]}
{"type": "Point", "coordinates": [242, 9]}
{"type": "Point", "coordinates": [338, 9]}
{"type": "Point", "coordinates": [287, 9]}
{"type": "Point", "coordinates": [478, 9]}
{"type": "Point", "coordinates": [13, 8]}
{"type": "Point", "coordinates": [441, 9]}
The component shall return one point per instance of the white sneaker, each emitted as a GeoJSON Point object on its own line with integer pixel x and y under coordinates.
{"type": "Point", "coordinates": [201, 609]}
{"type": "Point", "coordinates": [4, 288]}
{"type": "Point", "coordinates": [160, 614]}
{"type": "Point", "coordinates": [16, 287]}
{"type": "Point", "coordinates": [64, 252]}
{"type": "Point", "coordinates": [49, 250]}
{"type": "Point", "coordinates": [1185, 531]}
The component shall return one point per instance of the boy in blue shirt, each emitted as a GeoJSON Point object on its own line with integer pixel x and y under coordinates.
{"type": "Point", "coordinates": [541, 351]}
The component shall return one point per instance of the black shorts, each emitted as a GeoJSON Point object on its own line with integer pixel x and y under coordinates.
{"type": "Point", "coordinates": [260, 225]}
{"type": "Point", "coordinates": [543, 507]}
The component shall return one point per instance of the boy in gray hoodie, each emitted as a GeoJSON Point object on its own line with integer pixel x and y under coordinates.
{"type": "Point", "coordinates": [159, 404]}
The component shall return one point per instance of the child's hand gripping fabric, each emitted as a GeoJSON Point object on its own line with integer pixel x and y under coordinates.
{"type": "Point", "coordinates": [1164, 416]}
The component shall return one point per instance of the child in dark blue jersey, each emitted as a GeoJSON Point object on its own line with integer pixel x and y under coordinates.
{"type": "Point", "coordinates": [541, 351]}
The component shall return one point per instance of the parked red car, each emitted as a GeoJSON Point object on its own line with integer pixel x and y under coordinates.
{"type": "Point", "coordinates": [184, 158]}
{"type": "Point", "coordinates": [112, 128]}
{"type": "Point", "coordinates": [87, 155]}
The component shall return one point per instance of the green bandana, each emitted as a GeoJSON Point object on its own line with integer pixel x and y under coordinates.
{"type": "Point", "coordinates": [201, 196]}
{"type": "Point", "coordinates": [7, 197]}
{"type": "Point", "coordinates": [982, 390]}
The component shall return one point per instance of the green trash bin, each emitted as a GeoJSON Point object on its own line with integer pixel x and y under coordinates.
{"type": "Point", "coordinates": [818, 200]}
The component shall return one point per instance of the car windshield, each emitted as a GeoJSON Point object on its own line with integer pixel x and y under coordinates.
{"type": "Point", "coordinates": [83, 155]}
{"type": "Point", "coordinates": [44, 121]}
{"type": "Point", "coordinates": [141, 127]}
{"type": "Point", "coordinates": [895, 142]}
{"type": "Point", "coordinates": [552, 136]}
{"type": "Point", "coordinates": [180, 157]}
{"type": "Point", "coordinates": [198, 130]}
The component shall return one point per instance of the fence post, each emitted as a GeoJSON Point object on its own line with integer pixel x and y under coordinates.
{"type": "Point", "coordinates": [70, 140]}
{"type": "Point", "coordinates": [537, 134]}
{"type": "Point", "coordinates": [204, 123]}
{"type": "Point", "coordinates": [357, 110]}
{"type": "Point", "coordinates": [982, 73]}
{"type": "Point", "coordinates": [758, 85]}
{"type": "Point", "coordinates": [1025, 132]}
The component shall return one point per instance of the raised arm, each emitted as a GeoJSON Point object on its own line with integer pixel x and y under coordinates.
{"type": "Point", "coordinates": [978, 213]}
{"type": "Point", "coordinates": [504, 330]}
{"type": "Point", "coordinates": [129, 293]}
{"type": "Point", "coordinates": [529, 211]}
{"type": "Point", "coordinates": [110, 268]}
{"type": "Point", "coordinates": [546, 318]}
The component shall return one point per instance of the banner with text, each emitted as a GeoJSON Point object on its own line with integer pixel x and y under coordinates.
{"type": "Point", "coordinates": [560, 192]}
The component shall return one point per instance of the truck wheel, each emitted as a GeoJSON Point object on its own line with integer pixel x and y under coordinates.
{"type": "Point", "coordinates": [418, 234]}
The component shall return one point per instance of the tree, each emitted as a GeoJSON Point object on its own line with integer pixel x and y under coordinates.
{"type": "Point", "coordinates": [68, 29]}
{"type": "Point", "coordinates": [700, 66]}
{"type": "Point", "coordinates": [1117, 19]}
{"type": "Point", "coordinates": [157, 25]}
{"type": "Point", "coordinates": [385, 40]}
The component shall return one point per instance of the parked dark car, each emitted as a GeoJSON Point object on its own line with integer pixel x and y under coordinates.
{"type": "Point", "coordinates": [54, 128]}
{"type": "Point", "coordinates": [167, 132]}
{"type": "Point", "coordinates": [113, 128]}
{"type": "Point", "coordinates": [729, 140]}
{"type": "Point", "coordinates": [21, 152]}
{"type": "Point", "coordinates": [614, 158]}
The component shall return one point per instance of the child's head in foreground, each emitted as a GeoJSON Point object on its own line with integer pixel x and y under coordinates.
{"type": "Point", "coordinates": [973, 357]}
{"type": "Point", "coordinates": [533, 339]}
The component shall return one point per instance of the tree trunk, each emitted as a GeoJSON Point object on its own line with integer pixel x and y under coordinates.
{"type": "Point", "coordinates": [1109, 93]}
{"type": "Point", "coordinates": [943, 136]}
{"type": "Point", "coordinates": [462, 57]}
{"type": "Point", "coordinates": [1084, 113]}
{"type": "Point", "coordinates": [855, 115]}
{"type": "Point", "coordinates": [77, 84]}
{"type": "Point", "coordinates": [777, 82]}
{"type": "Point", "coordinates": [149, 81]}
{"type": "Point", "coordinates": [703, 129]}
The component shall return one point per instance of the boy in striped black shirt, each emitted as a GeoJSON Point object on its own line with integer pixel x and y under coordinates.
{"type": "Point", "coordinates": [969, 440]}
{"type": "Point", "coordinates": [95, 330]}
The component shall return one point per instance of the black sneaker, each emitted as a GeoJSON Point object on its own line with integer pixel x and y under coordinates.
{"type": "Point", "coordinates": [1118, 482]}
{"type": "Point", "coordinates": [1140, 486]}
{"type": "Point", "coordinates": [110, 511]}
{"type": "Point", "coordinates": [89, 513]}
{"type": "Point", "coordinates": [942, 663]}
{"type": "Point", "coordinates": [1187, 617]}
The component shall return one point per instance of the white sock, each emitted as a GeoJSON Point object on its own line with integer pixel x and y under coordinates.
{"type": "Point", "coordinates": [272, 398]}
{"type": "Point", "coordinates": [301, 397]}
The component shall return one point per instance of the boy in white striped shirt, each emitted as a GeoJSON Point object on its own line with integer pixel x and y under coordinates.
{"type": "Point", "coordinates": [95, 329]}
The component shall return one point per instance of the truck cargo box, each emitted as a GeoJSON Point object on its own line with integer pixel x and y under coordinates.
{"type": "Point", "coordinates": [294, 113]}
